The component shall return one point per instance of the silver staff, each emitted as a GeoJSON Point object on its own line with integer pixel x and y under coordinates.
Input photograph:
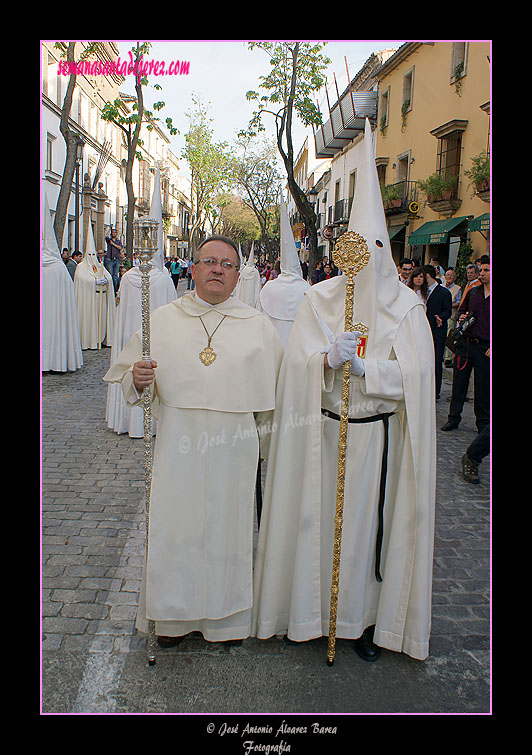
{"type": "Point", "coordinates": [145, 244]}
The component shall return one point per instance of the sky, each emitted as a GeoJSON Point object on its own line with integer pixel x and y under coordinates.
{"type": "Point", "coordinates": [222, 71]}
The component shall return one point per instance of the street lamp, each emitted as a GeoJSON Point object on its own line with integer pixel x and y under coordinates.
{"type": "Point", "coordinates": [79, 156]}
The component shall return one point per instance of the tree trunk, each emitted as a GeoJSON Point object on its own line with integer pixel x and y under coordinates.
{"type": "Point", "coordinates": [131, 151]}
{"type": "Point", "coordinates": [299, 196]}
{"type": "Point", "coordinates": [70, 159]}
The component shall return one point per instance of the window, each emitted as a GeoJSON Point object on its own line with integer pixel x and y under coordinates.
{"type": "Point", "coordinates": [383, 110]}
{"type": "Point", "coordinates": [448, 157]}
{"type": "Point", "coordinates": [408, 89]}
{"type": "Point", "coordinates": [352, 184]}
{"type": "Point", "coordinates": [458, 61]}
{"type": "Point", "coordinates": [449, 149]}
{"type": "Point", "coordinates": [50, 139]}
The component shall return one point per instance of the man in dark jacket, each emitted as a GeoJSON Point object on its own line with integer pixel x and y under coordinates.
{"type": "Point", "coordinates": [439, 309]}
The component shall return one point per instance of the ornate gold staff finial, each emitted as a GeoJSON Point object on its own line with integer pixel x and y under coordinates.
{"type": "Point", "coordinates": [351, 255]}
{"type": "Point", "coordinates": [145, 243]}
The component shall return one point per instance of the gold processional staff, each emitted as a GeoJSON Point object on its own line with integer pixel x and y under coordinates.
{"type": "Point", "coordinates": [350, 254]}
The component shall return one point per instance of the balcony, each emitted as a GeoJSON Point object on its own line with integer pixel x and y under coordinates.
{"type": "Point", "coordinates": [400, 197]}
{"type": "Point", "coordinates": [342, 208]}
{"type": "Point", "coordinates": [346, 121]}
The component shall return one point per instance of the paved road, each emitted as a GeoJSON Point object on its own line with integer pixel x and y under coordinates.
{"type": "Point", "coordinates": [92, 547]}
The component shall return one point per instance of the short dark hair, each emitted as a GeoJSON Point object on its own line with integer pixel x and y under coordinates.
{"type": "Point", "coordinates": [485, 259]}
{"type": "Point", "coordinates": [407, 260]}
{"type": "Point", "coordinates": [225, 239]}
{"type": "Point", "coordinates": [430, 269]}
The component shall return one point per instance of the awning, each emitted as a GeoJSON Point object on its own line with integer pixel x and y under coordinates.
{"type": "Point", "coordinates": [394, 230]}
{"type": "Point", "coordinates": [434, 232]}
{"type": "Point", "coordinates": [482, 223]}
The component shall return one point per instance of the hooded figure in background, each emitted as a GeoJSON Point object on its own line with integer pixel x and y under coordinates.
{"type": "Point", "coordinates": [95, 297]}
{"type": "Point", "coordinates": [281, 297]}
{"type": "Point", "coordinates": [385, 581]}
{"type": "Point", "coordinates": [119, 416]}
{"type": "Point", "coordinates": [61, 346]}
{"type": "Point", "coordinates": [247, 288]}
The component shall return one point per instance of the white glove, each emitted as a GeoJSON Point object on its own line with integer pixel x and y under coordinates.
{"type": "Point", "coordinates": [101, 282]}
{"type": "Point", "coordinates": [343, 349]}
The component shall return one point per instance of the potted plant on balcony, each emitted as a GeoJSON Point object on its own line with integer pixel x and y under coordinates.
{"type": "Point", "coordinates": [437, 187]}
{"type": "Point", "coordinates": [479, 173]}
{"type": "Point", "coordinates": [391, 196]}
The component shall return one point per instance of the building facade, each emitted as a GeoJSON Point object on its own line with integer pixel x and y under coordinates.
{"type": "Point", "coordinates": [433, 126]}
{"type": "Point", "coordinates": [429, 105]}
{"type": "Point", "coordinates": [101, 168]}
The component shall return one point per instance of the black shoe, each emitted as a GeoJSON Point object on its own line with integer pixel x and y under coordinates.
{"type": "Point", "coordinates": [450, 426]}
{"type": "Point", "coordinates": [470, 470]}
{"type": "Point", "coordinates": [169, 642]}
{"type": "Point", "coordinates": [365, 647]}
{"type": "Point", "coordinates": [288, 641]}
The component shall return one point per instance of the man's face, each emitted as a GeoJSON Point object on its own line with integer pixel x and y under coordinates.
{"type": "Point", "coordinates": [484, 274]}
{"type": "Point", "coordinates": [214, 284]}
{"type": "Point", "coordinates": [405, 269]}
{"type": "Point", "coordinates": [471, 273]}
{"type": "Point", "coordinates": [450, 277]}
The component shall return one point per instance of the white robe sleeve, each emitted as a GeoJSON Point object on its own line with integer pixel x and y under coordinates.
{"type": "Point", "coordinates": [383, 378]}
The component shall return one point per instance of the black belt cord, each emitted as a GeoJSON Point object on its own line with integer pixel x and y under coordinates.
{"type": "Point", "coordinates": [382, 486]}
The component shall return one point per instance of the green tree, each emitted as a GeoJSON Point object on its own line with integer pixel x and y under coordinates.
{"type": "Point", "coordinates": [208, 163]}
{"type": "Point", "coordinates": [297, 70]}
{"type": "Point", "coordinates": [258, 181]}
{"type": "Point", "coordinates": [131, 125]}
{"type": "Point", "coordinates": [462, 261]}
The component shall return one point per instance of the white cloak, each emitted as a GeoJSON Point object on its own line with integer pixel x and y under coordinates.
{"type": "Point", "coordinates": [198, 574]}
{"type": "Point", "coordinates": [280, 299]}
{"type": "Point", "coordinates": [294, 555]}
{"type": "Point", "coordinates": [60, 342]}
{"type": "Point", "coordinates": [247, 287]}
{"type": "Point", "coordinates": [91, 311]}
{"type": "Point", "coordinates": [61, 348]}
{"type": "Point", "coordinates": [119, 416]}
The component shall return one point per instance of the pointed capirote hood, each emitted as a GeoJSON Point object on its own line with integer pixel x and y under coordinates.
{"type": "Point", "coordinates": [379, 299]}
{"type": "Point", "coordinates": [251, 259]}
{"type": "Point", "coordinates": [281, 297]}
{"type": "Point", "coordinates": [50, 251]}
{"type": "Point", "coordinates": [240, 256]}
{"type": "Point", "coordinates": [90, 258]}
{"type": "Point", "coordinates": [156, 212]}
{"type": "Point", "coordinates": [290, 264]}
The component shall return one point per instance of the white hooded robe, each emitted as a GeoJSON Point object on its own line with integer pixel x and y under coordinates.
{"type": "Point", "coordinates": [96, 302]}
{"type": "Point", "coordinates": [281, 297]}
{"type": "Point", "coordinates": [198, 575]}
{"type": "Point", "coordinates": [60, 341]}
{"type": "Point", "coordinates": [294, 554]}
{"type": "Point", "coordinates": [247, 288]}
{"type": "Point", "coordinates": [119, 416]}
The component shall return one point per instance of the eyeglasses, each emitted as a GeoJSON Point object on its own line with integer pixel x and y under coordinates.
{"type": "Point", "coordinates": [225, 264]}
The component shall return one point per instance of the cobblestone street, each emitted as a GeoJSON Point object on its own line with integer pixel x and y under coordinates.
{"type": "Point", "coordinates": [92, 548]}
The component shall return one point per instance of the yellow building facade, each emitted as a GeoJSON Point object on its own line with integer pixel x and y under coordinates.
{"type": "Point", "coordinates": [433, 126]}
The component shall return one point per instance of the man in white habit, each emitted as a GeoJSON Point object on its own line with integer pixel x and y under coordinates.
{"type": "Point", "coordinates": [281, 297]}
{"type": "Point", "coordinates": [247, 288]}
{"type": "Point", "coordinates": [213, 375]}
{"type": "Point", "coordinates": [385, 582]}
{"type": "Point", "coordinates": [61, 346]}
{"type": "Point", "coordinates": [95, 298]}
{"type": "Point", "coordinates": [119, 416]}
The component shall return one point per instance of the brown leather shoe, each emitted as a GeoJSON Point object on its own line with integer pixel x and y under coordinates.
{"type": "Point", "coordinates": [168, 642]}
